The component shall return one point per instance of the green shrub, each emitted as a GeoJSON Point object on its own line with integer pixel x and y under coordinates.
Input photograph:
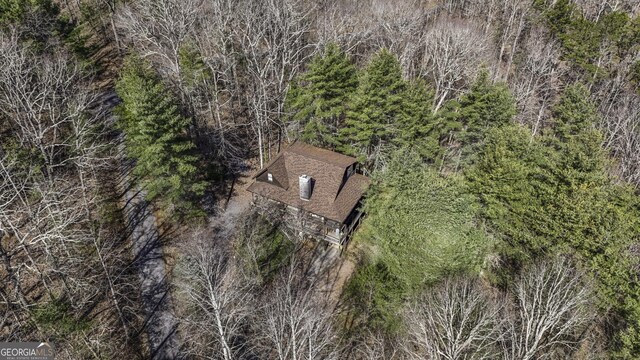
{"type": "Point", "coordinates": [55, 316]}
{"type": "Point", "coordinates": [375, 297]}
{"type": "Point", "coordinates": [422, 224]}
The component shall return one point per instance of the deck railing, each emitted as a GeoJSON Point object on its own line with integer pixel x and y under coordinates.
{"type": "Point", "coordinates": [303, 222]}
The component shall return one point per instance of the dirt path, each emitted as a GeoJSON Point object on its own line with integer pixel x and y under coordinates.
{"type": "Point", "coordinates": [331, 269]}
{"type": "Point", "coordinates": [160, 322]}
{"type": "Point", "coordinates": [229, 211]}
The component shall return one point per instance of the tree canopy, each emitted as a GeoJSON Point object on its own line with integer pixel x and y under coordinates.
{"type": "Point", "coordinates": [375, 108]}
{"type": "Point", "coordinates": [156, 136]}
{"type": "Point", "coordinates": [420, 228]}
{"type": "Point", "coordinates": [552, 194]}
{"type": "Point", "coordinates": [319, 98]}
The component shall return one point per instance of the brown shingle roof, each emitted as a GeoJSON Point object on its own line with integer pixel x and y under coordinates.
{"type": "Point", "coordinates": [350, 194]}
{"type": "Point", "coordinates": [324, 155]}
{"type": "Point", "coordinates": [331, 196]}
{"type": "Point", "coordinates": [278, 170]}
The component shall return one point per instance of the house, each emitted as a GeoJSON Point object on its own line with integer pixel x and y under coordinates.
{"type": "Point", "coordinates": [319, 191]}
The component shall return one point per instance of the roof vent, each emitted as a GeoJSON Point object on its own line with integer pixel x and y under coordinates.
{"type": "Point", "coordinates": [305, 187]}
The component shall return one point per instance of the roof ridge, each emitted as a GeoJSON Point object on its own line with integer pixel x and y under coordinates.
{"type": "Point", "coordinates": [323, 155]}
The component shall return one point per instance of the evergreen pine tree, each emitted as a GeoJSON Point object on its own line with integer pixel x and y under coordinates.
{"type": "Point", "coordinates": [193, 70]}
{"type": "Point", "coordinates": [512, 180]}
{"type": "Point", "coordinates": [552, 194]}
{"type": "Point", "coordinates": [582, 158]}
{"type": "Point", "coordinates": [318, 99]}
{"type": "Point", "coordinates": [574, 113]}
{"type": "Point", "coordinates": [156, 136]}
{"type": "Point", "coordinates": [559, 15]}
{"type": "Point", "coordinates": [542, 193]}
{"type": "Point", "coordinates": [484, 107]}
{"type": "Point", "coordinates": [14, 11]}
{"type": "Point", "coordinates": [375, 109]}
{"type": "Point", "coordinates": [417, 127]}
{"type": "Point", "coordinates": [375, 296]}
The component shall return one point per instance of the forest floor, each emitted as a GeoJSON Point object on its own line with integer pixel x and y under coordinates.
{"type": "Point", "coordinates": [343, 271]}
{"type": "Point", "coordinates": [333, 268]}
{"type": "Point", "coordinates": [238, 201]}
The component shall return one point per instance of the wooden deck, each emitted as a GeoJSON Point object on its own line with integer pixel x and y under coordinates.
{"type": "Point", "coordinates": [306, 223]}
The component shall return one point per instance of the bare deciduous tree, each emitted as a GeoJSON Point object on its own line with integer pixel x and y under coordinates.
{"type": "Point", "coordinates": [217, 100]}
{"type": "Point", "coordinates": [457, 320]}
{"type": "Point", "coordinates": [273, 37]}
{"type": "Point", "coordinates": [535, 82]}
{"type": "Point", "coordinates": [593, 10]}
{"type": "Point", "coordinates": [39, 96]}
{"type": "Point", "coordinates": [452, 53]}
{"type": "Point", "coordinates": [294, 322]}
{"type": "Point", "coordinates": [159, 29]}
{"type": "Point", "coordinates": [513, 17]}
{"type": "Point", "coordinates": [553, 309]}
{"type": "Point", "coordinates": [621, 126]}
{"type": "Point", "coordinates": [220, 299]}
{"type": "Point", "coordinates": [376, 345]}
{"type": "Point", "coordinates": [53, 165]}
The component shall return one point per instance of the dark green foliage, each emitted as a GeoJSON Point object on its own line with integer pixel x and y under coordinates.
{"type": "Point", "coordinates": [578, 36]}
{"type": "Point", "coordinates": [582, 44]}
{"type": "Point", "coordinates": [26, 161]}
{"type": "Point", "coordinates": [156, 136]}
{"type": "Point", "coordinates": [628, 40]}
{"type": "Point", "coordinates": [609, 234]}
{"type": "Point", "coordinates": [527, 184]}
{"type": "Point", "coordinates": [196, 80]}
{"type": "Point", "coordinates": [12, 10]}
{"type": "Point", "coordinates": [16, 11]}
{"type": "Point", "coordinates": [629, 339]}
{"type": "Point", "coordinates": [376, 107]}
{"type": "Point", "coordinates": [417, 128]}
{"type": "Point", "coordinates": [262, 248]}
{"type": "Point", "coordinates": [40, 23]}
{"type": "Point", "coordinates": [420, 228]}
{"type": "Point", "coordinates": [614, 25]}
{"type": "Point", "coordinates": [275, 251]}
{"type": "Point", "coordinates": [484, 107]}
{"type": "Point", "coordinates": [621, 37]}
{"type": "Point", "coordinates": [35, 21]}
{"type": "Point", "coordinates": [80, 43]}
{"type": "Point", "coordinates": [510, 180]}
{"type": "Point", "coordinates": [193, 70]}
{"type": "Point", "coordinates": [575, 113]}
{"type": "Point", "coordinates": [57, 316]}
{"type": "Point", "coordinates": [559, 16]}
{"type": "Point", "coordinates": [318, 99]}
{"type": "Point", "coordinates": [384, 111]}
{"type": "Point", "coordinates": [581, 158]}
{"type": "Point", "coordinates": [585, 42]}
{"type": "Point", "coordinates": [553, 195]}
{"type": "Point", "coordinates": [375, 297]}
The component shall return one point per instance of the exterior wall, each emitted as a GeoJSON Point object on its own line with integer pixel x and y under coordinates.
{"type": "Point", "coordinates": [308, 223]}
